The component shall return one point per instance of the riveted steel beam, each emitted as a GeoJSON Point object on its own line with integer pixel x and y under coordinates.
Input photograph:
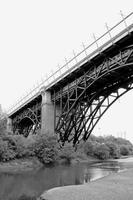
{"type": "Point", "coordinates": [83, 101]}
{"type": "Point", "coordinates": [31, 114]}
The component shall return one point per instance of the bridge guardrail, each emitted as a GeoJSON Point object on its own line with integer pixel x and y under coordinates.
{"type": "Point", "coordinates": [72, 64]}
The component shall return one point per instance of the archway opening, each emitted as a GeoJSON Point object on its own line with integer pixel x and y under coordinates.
{"type": "Point", "coordinates": [26, 126]}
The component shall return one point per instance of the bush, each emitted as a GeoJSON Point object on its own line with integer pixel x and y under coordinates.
{"type": "Point", "coordinates": [114, 150]}
{"type": "Point", "coordinates": [124, 150]}
{"type": "Point", "coordinates": [45, 148]}
{"type": "Point", "coordinates": [67, 152]}
{"type": "Point", "coordinates": [6, 153]}
{"type": "Point", "coordinates": [42, 141]}
{"type": "Point", "coordinates": [89, 148]}
{"type": "Point", "coordinates": [47, 155]}
{"type": "Point", "coordinates": [3, 125]}
{"type": "Point", "coordinates": [20, 147]}
{"type": "Point", "coordinates": [101, 151]}
{"type": "Point", "coordinates": [10, 140]}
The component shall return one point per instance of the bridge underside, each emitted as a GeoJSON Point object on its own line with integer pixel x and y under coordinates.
{"type": "Point", "coordinates": [85, 100]}
{"type": "Point", "coordinates": [72, 107]}
{"type": "Point", "coordinates": [27, 120]}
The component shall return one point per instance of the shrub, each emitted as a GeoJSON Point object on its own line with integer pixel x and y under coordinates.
{"type": "Point", "coordinates": [10, 140]}
{"type": "Point", "coordinates": [101, 151]}
{"type": "Point", "coordinates": [47, 155]}
{"type": "Point", "coordinates": [20, 146]}
{"type": "Point", "coordinates": [124, 150]}
{"type": "Point", "coordinates": [6, 153]}
{"type": "Point", "coordinates": [67, 152]}
{"type": "Point", "coordinates": [3, 125]}
{"type": "Point", "coordinates": [114, 150]}
{"type": "Point", "coordinates": [45, 148]}
{"type": "Point", "coordinates": [89, 148]}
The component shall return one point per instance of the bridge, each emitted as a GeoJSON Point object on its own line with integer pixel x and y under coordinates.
{"type": "Point", "coordinates": [73, 99]}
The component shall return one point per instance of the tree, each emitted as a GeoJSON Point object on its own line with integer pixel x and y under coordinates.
{"type": "Point", "coordinates": [124, 150]}
{"type": "Point", "coordinates": [114, 150]}
{"type": "Point", "coordinates": [89, 148]}
{"type": "Point", "coordinates": [67, 152]}
{"type": "Point", "coordinates": [46, 148]}
{"type": "Point", "coordinates": [101, 151]}
{"type": "Point", "coordinates": [3, 125]}
{"type": "Point", "coordinates": [6, 153]}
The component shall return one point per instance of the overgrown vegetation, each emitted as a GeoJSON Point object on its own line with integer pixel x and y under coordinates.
{"type": "Point", "coordinates": [108, 147]}
{"type": "Point", "coordinates": [46, 148]}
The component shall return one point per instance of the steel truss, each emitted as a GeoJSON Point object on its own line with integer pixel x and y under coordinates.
{"type": "Point", "coordinates": [28, 120]}
{"type": "Point", "coordinates": [83, 101]}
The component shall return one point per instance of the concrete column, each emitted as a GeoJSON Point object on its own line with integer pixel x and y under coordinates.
{"type": "Point", "coordinates": [9, 125]}
{"type": "Point", "coordinates": [47, 113]}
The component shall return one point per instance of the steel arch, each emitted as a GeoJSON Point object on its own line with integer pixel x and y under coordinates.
{"type": "Point", "coordinates": [110, 75]}
{"type": "Point", "coordinates": [30, 114]}
{"type": "Point", "coordinates": [95, 112]}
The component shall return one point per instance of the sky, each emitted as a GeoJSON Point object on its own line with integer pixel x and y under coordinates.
{"type": "Point", "coordinates": [37, 35]}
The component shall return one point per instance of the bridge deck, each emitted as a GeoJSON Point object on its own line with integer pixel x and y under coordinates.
{"type": "Point", "coordinates": [59, 77]}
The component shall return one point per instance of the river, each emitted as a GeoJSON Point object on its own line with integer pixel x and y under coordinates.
{"type": "Point", "coordinates": [35, 182]}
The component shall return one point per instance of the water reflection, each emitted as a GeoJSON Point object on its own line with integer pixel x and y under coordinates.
{"type": "Point", "coordinates": [33, 183]}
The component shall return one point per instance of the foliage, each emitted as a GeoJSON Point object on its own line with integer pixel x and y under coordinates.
{"type": "Point", "coordinates": [20, 146]}
{"type": "Point", "coordinates": [89, 148]}
{"type": "Point", "coordinates": [15, 146]}
{"type": "Point", "coordinates": [101, 151]}
{"type": "Point", "coordinates": [3, 125]}
{"type": "Point", "coordinates": [122, 141]}
{"type": "Point", "coordinates": [115, 146]}
{"type": "Point", "coordinates": [114, 150]}
{"type": "Point", "coordinates": [6, 153]}
{"type": "Point", "coordinates": [45, 148]}
{"type": "Point", "coordinates": [47, 155]}
{"type": "Point", "coordinates": [124, 150]}
{"type": "Point", "coordinates": [66, 152]}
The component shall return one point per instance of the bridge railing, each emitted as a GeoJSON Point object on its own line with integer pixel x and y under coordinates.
{"type": "Point", "coordinates": [87, 53]}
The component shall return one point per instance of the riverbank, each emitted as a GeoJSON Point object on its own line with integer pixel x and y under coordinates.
{"type": "Point", "coordinates": [31, 163]}
{"type": "Point", "coordinates": [20, 165]}
{"type": "Point", "coordinates": [117, 186]}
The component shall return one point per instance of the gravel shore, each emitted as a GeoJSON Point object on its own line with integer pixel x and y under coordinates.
{"type": "Point", "coordinates": [116, 186]}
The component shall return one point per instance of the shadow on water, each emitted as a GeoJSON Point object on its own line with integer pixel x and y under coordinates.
{"type": "Point", "coordinates": [31, 184]}
{"type": "Point", "coordinates": [24, 197]}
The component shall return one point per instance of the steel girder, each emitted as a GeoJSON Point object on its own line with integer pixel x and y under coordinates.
{"type": "Point", "coordinates": [83, 101]}
{"type": "Point", "coordinates": [28, 120]}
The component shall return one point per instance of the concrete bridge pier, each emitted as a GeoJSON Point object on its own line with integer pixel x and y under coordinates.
{"type": "Point", "coordinates": [47, 113]}
{"type": "Point", "coordinates": [9, 125]}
